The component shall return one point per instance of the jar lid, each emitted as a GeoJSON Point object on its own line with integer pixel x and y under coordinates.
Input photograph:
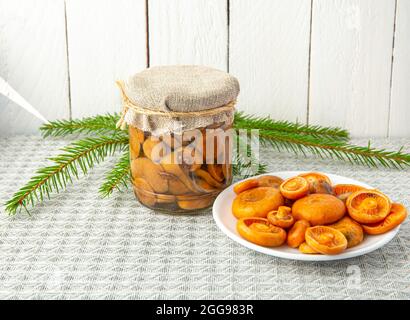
{"type": "Point", "coordinates": [192, 95]}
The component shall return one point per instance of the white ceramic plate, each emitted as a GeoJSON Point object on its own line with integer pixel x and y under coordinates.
{"type": "Point", "coordinates": [225, 220]}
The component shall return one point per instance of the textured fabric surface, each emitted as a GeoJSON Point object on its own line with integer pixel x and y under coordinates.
{"type": "Point", "coordinates": [182, 88]}
{"type": "Point", "coordinates": [79, 246]}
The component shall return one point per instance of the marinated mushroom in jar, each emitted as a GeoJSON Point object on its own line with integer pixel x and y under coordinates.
{"type": "Point", "coordinates": [169, 172]}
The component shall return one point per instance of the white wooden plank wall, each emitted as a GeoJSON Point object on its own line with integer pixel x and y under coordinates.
{"type": "Point", "coordinates": [351, 64]}
{"type": "Point", "coordinates": [269, 53]}
{"type": "Point", "coordinates": [329, 62]}
{"type": "Point", "coordinates": [188, 32]}
{"type": "Point", "coordinates": [399, 125]}
{"type": "Point", "coordinates": [106, 41]}
{"type": "Point", "coordinates": [33, 61]}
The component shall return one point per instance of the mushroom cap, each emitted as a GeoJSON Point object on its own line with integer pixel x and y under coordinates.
{"type": "Point", "coordinates": [319, 209]}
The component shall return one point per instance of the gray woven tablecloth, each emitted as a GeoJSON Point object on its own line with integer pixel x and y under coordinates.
{"type": "Point", "coordinates": [78, 246]}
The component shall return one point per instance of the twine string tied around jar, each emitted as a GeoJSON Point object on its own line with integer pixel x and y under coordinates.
{"type": "Point", "coordinates": [129, 105]}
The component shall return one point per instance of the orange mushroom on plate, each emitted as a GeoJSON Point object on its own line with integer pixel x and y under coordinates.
{"type": "Point", "coordinates": [352, 230]}
{"type": "Point", "coordinates": [398, 213]}
{"type": "Point", "coordinates": [245, 185]}
{"type": "Point", "coordinates": [296, 235]}
{"type": "Point", "coordinates": [326, 240]}
{"type": "Point", "coordinates": [318, 182]}
{"type": "Point", "coordinates": [282, 217]}
{"type": "Point", "coordinates": [305, 248]}
{"type": "Point", "coordinates": [260, 231]}
{"type": "Point", "coordinates": [319, 209]}
{"type": "Point", "coordinates": [294, 188]}
{"type": "Point", "coordinates": [256, 202]}
{"type": "Point", "coordinates": [368, 206]}
{"type": "Point", "coordinates": [343, 191]}
{"type": "Point", "coordinates": [270, 181]}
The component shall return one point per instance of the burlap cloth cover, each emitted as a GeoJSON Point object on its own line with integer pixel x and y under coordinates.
{"type": "Point", "coordinates": [174, 98]}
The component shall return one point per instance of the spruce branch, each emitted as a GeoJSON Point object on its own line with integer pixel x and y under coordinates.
{"type": "Point", "coordinates": [246, 166]}
{"type": "Point", "coordinates": [326, 148]}
{"type": "Point", "coordinates": [100, 124]}
{"type": "Point", "coordinates": [118, 177]}
{"type": "Point", "coordinates": [80, 155]}
{"type": "Point", "coordinates": [245, 169]}
{"type": "Point", "coordinates": [244, 121]}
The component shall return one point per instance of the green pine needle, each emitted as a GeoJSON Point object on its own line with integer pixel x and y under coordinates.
{"type": "Point", "coordinates": [243, 121]}
{"type": "Point", "coordinates": [326, 148]}
{"type": "Point", "coordinates": [80, 155]}
{"type": "Point", "coordinates": [107, 123]}
{"type": "Point", "coordinates": [243, 170]}
{"type": "Point", "coordinates": [246, 167]}
{"type": "Point", "coordinates": [101, 124]}
{"type": "Point", "coordinates": [118, 177]}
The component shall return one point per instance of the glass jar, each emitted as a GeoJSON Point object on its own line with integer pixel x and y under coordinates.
{"type": "Point", "coordinates": [181, 172]}
{"type": "Point", "coordinates": [180, 128]}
